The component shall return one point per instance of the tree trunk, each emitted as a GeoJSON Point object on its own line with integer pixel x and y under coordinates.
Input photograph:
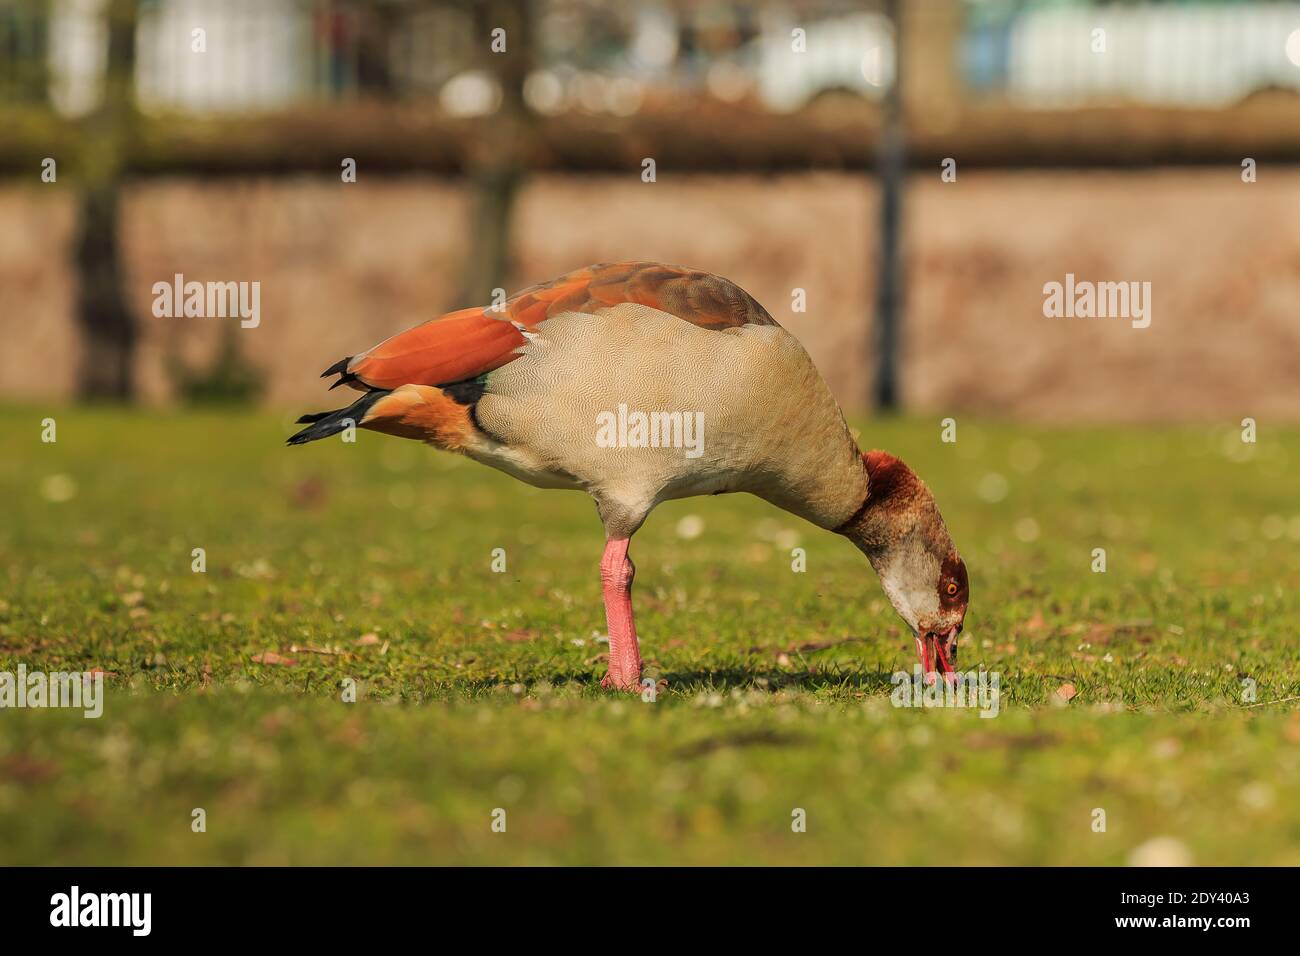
{"type": "Point", "coordinates": [375, 24]}
{"type": "Point", "coordinates": [893, 170]}
{"type": "Point", "coordinates": [497, 159]}
{"type": "Point", "coordinates": [108, 331]}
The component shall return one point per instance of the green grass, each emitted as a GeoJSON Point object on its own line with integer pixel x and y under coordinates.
{"type": "Point", "coordinates": [480, 691]}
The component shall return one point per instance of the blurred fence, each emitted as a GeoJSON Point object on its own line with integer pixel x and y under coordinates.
{"type": "Point", "coordinates": [123, 91]}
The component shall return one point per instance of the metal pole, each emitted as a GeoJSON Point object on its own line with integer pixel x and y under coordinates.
{"type": "Point", "coordinates": [892, 165]}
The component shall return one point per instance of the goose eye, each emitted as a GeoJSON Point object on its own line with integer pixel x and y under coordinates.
{"type": "Point", "coordinates": [952, 588]}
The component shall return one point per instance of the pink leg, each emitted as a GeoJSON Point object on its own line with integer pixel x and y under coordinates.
{"type": "Point", "coordinates": [616, 573]}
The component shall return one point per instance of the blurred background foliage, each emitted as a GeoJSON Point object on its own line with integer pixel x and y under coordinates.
{"type": "Point", "coordinates": [131, 93]}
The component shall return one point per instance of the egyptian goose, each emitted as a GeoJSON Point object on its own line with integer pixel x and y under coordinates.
{"type": "Point", "coordinates": [637, 383]}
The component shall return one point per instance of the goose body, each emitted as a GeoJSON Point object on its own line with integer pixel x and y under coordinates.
{"type": "Point", "coordinates": [541, 416]}
{"type": "Point", "coordinates": [640, 383]}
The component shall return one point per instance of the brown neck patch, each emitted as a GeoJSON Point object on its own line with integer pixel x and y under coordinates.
{"type": "Point", "coordinates": [889, 479]}
{"type": "Point", "coordinates": [889, 483]}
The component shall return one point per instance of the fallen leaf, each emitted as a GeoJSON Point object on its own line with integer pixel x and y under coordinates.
{"type": "Point", "coordinates": [308, 493]}
{"type": "Point", "coordinates": [271, 657]}
{"type": "Point", "coordinates": [350, 733]}
{"type": "Point", "coordinates": [308, 649]}
{"type": "Point", "coordinates": [367, 639]}
{"type": "Point", "coordinates": [1066, 692]}
{"type": "Point", "coordinates": [1292, 730]}
{"type": "Point", "coordinates": [25, 768]}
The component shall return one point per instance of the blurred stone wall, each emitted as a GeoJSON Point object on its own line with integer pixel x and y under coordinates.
{"type": "Point", "coordinates": [343, 266]}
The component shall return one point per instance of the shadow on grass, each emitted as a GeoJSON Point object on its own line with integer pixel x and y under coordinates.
{"type": "Point", "coordinates": [772, 679]}
{"type": "Point", "coordinates": [722, 679]}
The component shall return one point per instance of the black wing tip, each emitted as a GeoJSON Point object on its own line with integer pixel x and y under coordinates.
{"type": "Point", "coordinates": [338, 368]}
{"type": "Point", "coordinates": [324, 424]}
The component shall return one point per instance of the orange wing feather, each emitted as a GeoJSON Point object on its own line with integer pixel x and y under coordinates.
{"type": "Point", "coordinates": [464, 344]}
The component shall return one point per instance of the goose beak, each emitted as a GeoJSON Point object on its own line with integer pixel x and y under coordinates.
{"type": "Point", "coordinates": [937, 648]}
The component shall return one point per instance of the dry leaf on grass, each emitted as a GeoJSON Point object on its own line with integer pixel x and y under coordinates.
{"type": "Point", "coordinates": [27, 769]}
{"type": "Point", "coordinates": [308, 493]}
{"type": "Point", "coordinates": [1066, 692]}
{"type": "Point", "coordinates": [365, 640]}
{"type": "Point", "coordinates": [271, 657]}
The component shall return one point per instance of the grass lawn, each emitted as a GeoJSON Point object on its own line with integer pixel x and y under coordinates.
{"type": "Point", "coordinates": [477, 690]}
